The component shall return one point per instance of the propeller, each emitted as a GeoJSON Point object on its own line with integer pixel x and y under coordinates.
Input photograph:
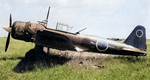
{"type": "Point", "coordinates": [8, 38]}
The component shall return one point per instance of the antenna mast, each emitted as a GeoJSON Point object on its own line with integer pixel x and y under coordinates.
{"type": "Point", "coordinates": [44, 22]}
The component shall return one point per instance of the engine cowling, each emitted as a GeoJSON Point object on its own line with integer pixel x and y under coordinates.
{"type": "Point", "coordinates": [20, 31]}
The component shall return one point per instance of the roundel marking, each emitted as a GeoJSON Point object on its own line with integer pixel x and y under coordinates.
{"type": "Point", "coordinates": [101, 45]}
{"type": "Point", "coordinates": [139, 33]}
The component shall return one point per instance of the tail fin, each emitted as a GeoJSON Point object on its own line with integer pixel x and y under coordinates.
{"type": "Point", "coordinates": [137, 38]}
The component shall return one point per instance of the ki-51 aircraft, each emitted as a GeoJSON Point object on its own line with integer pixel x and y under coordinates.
{"type": "Point", "coordinates": [38, 33]}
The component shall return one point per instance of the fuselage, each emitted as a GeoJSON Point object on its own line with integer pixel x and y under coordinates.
{"type": "Point", "coordinates": [27, 31]}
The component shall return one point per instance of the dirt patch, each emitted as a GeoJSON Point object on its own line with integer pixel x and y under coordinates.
{"type": "Point", "coordinates": [82, 58]}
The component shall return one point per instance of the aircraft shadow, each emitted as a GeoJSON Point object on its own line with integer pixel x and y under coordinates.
{"type": "Point", "coordinates": [5, 58]}
{"type": "Point", "coordinates": [48, 60]}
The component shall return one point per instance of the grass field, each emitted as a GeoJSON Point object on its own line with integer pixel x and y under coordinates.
{"type": "Point", "coordinates": [115, 68]}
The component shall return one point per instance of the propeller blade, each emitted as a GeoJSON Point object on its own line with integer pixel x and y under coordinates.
{"type": "Point", "coordinates": [10, 21]}
{"type": "Point", "coordinates": [9, 30]}
{"type": "Point", "coordinates": [7, 42]}
{"type": "Point", "coordinates": [48, 13]}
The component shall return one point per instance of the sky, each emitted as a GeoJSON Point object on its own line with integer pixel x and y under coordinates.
{"type": "Point", "coordinates": [102, 18]}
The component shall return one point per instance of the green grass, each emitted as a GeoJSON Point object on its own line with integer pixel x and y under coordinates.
{"type": "Point", "coordinates": [115, 68]}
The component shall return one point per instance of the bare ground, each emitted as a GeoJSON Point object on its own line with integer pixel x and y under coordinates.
{"type": "Point", "coordinates": [82, 58]}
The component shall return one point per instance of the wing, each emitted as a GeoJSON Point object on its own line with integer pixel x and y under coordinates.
{"type": "Point", "coordinates": [54, 40]}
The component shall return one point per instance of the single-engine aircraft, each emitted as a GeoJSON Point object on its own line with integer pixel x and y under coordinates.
{"type": "Point", "coordinates": [38, 33]}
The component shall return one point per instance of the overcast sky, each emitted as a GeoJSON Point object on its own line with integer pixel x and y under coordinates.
{"type": "Point", "coordinates": [103, 18]}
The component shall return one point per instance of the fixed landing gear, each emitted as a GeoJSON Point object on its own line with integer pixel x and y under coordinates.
{"type": "Point", "coordinates": [38, 53]}
{"type": "Point", "coordinates": [31, 56]}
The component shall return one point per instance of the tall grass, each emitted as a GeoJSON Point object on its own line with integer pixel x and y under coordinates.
{"type": "Point", "coordinates": [115, 68]}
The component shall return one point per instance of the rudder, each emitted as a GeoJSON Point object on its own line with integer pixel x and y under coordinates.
{"type": "Point", "coordinates": [137, 38]}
